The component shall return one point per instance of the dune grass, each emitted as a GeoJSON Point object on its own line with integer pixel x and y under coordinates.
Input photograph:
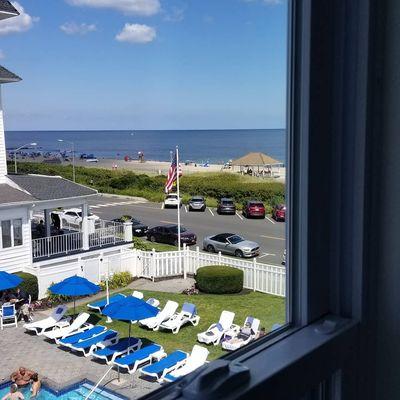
{"type": "Point", "coordinates": [269, 309]}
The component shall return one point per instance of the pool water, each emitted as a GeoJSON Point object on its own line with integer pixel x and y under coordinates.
{"type": "Point", "coordinates": [77, 392]}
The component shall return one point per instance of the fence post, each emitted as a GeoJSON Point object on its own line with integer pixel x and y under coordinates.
{"type": "Point", "coordinates": [127, 231]}
{"type": "Point", "coordinates": [185, 259]}
{"type": "Point", "coordinates": [153, 263]}
{"type": "Point", "coordinates": [197, 259]}
{"type": "Point", "coordinates": [254, 274]}
{"type": "Point", "coordinates": [219, 258]}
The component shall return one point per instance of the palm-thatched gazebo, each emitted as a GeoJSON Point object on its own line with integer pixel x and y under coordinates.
{"type": "Point", "coordinates": [258, 164]}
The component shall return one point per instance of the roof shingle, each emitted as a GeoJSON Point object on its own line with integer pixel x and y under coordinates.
{"type": "Point", "coordinates": [7, 76]}
{"type": "Point", "coordinates": [7, 8]}
{"type": "Point", "coordinates": [8, 194]}
{"type": "Point", "coordinates": [50, 187]}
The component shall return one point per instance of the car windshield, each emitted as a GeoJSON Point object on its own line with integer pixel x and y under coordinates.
{"type": "Point", "coordinates": [197, 199]}
{"type": "Point", "coordinates": [80, 214]}
{"type": "Point", "coordinates": [227, 202]}
{"type": "Point", "coordinates": [172, 196]}
{"type": "Point", "coordinates": [256, 204]}
{"type": "Point", "coordinates": [174, 229]}
{"type": "Point", "coordinates": [235, 239]}
{"type": "Point", "coordinates": [136, 222]}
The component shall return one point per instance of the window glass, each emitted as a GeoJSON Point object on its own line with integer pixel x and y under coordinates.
{"type": "Point", "coordinates": [6, 233]}
{"type": "Point", "coordinates": [17, 230]}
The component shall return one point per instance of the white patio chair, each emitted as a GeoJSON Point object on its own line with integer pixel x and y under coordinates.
{"type": "Point", "coordinates": [8, 316]}
{"type": "Point", "coordinates": [215, 332]}
{"type": "Point", "coordinates": [166, 313]}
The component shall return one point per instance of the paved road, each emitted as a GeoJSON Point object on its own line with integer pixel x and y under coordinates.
{"type": "Point", "coordinates": [268, 233]}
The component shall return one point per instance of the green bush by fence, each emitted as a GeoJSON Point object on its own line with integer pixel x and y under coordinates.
{"type": "Point", "coordinates": [219, 279]}
{"type": "Point", "coordinates": [29, 284]}
{"type": "Point", "coordinates": [118, 280]}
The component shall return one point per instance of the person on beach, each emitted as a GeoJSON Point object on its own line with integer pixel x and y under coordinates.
{"type": "Point", "coordinates": [14, 394]}
{"type": "Point", "coordinates": [22, 377]}
{"type": "Point", "coordinates": [36, 385]}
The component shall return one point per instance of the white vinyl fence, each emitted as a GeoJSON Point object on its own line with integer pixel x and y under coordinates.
{"type": "Point", "coordinates": [261, 277]}
{"type": "Point", "coordinates": [96, 266]}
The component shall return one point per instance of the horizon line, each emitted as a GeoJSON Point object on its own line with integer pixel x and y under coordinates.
{"type": "Point", "coordinates": [139, 130]}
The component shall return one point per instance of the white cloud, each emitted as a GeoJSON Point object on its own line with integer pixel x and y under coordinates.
{"type": "Point", "coordinates": [21, 23]}
{"type": "Point", "coordinates": [133, 7]}
{"type": "Point", "coordinates": [136, 33]}
{"type": "Point", "coordinates": [72, 28]}
{"type": "Point", "coordinates": [2, 55]}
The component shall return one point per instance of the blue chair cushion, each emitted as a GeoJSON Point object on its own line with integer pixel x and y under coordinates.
{"type": "Point", "coordinates": [166, 362]}
{"type": "Point", "coordinates": [190, 309]}
{"type": "Point", "coordinates": [108, 335]}
{"type": "Point", "coordinates": [122, 345]}
{"type": "Point", "coordinates": [83, 335]}
{"type": "Point", "coordinates": [138, 355]}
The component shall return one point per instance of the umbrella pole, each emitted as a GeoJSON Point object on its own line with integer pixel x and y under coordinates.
{"type": "Point", "coordinates": [74, 310]}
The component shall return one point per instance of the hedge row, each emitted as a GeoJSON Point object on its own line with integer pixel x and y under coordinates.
{"type": "Point", "coordinates": [212, 186]}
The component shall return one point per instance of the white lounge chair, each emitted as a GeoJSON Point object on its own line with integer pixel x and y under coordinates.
{"type": "Point", "coordinates": [153, 302]}
{"type": "Point", "coordinates": [138, 295]}
{"type": "Point", "coordinates": [215, 332]}
{"type": "Point", "coordinates": [196, 359]}
{"type": "Point", "coordinates": [8, 315]}
{"type": "Point", "coordinates": [239, 338]}
{"type": "Point", "coordinates": [78, 325]}
{"type": "Point", "coordinates": [39, 327]}
{"type": "Point", "coordinates": [187, 315]}
{"type": "Point", "coordinates": [165, 314]}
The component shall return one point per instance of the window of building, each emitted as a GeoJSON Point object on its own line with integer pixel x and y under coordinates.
{"type": "Point", "coordinates": [11, 233]}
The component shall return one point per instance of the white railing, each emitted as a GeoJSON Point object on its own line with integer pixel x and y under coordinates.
{"type": "Point", "coordinates": [54, 245]}
{"type": "Point", "coordinates": [110, 233]}
{"type": "Point", "coordinates": [257, 276]}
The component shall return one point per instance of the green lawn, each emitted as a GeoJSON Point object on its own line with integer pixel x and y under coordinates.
{"type": "Point", "coordinates": [269, 309]}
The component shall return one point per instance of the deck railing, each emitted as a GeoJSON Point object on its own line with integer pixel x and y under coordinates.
{"type": "Point", "coordinates": [107, 235]}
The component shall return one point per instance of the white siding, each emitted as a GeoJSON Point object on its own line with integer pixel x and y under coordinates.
{"type": "Point", "coordinates": [15, 259]}
{"type": "Point", "coordinates": [3, 158]}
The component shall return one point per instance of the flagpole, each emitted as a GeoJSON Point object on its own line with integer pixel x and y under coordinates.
{"type": "Point", "coordinates": [179, 199]}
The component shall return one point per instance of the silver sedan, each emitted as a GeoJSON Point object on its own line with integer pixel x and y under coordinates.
{"type": "Point", "coordinates": [230, 243]}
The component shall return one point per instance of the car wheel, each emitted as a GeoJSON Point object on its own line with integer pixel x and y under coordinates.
{"type": "Point", "coordinates": [152, 238]}
{"type": "Point", "coordinates": [263, 216]}
{"type": "Point", "coordinates": [203, 209]}
{"type": "Point", "coordinates": [190, 208]}
{"type": "Point", "coordinates": [210, 248]}
{"type": "Point", "coordinates": [239, 253]}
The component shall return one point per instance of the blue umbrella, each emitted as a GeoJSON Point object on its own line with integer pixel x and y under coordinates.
{"type": "Point", "coordinates": [74, 286]}
{"type": "Point", "coordinates": [130, 309]}
{"type": "Point", "coordinates": [8, 281]}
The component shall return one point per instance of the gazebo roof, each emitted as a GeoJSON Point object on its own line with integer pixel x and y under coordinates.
{"type": "Point", "coordinates": [255, 159]}
{"type": "Point", "coordinates": [7, 76]}
{"type": "Point", "coordinates": [7, 10]}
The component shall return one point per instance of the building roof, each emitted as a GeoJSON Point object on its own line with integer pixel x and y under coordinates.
{"type": "Point", "coordinates": [7, 9]}
{"type": "Point", "coordinates": [7, 76]}
{"type": "Point", "coordinates": [255, 159]}
{"type": "Point", "coordinates": [8, 194]}
{"type": "Point", "coordinates": [42, 187]}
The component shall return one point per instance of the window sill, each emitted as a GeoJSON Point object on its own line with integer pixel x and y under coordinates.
{"type": "Point", "coordinates": [270, 368]}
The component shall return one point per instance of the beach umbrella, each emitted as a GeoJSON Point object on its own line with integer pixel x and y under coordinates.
{"type": "Point", "coordinates": [130, 309]}
{"type": "Point", "coordinates": [74, 286]}
{"type": "Point", "coordinates": [9, 281]}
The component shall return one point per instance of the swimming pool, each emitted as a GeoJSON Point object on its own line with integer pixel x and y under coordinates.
{"type": "Point", "coordinates": [77, 391]}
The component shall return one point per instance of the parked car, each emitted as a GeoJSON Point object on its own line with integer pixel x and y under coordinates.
{"type": "Point", "coordinates": [230, 243]}
{"type": "Point", "coordinates": [138, 229]}
{"type": "Point", "coordinates": [253, 208]}
{"type": "Point", "coordinates": [226, 206]}
{"type": "Point", "coordinates": [172, 201]}
{"type": "Point", "coordinates": [197, 203]}
{"type": "Point", "coordinates": [279, 212]}
{"type": "Point", "coordinates": [284, 257]}
{"type": "Point", "coordinates": [73, 216]}
{"type": "Point", "coordinates": [169, 234]}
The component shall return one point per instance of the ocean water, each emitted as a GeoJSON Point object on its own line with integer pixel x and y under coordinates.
{"type": "Point", "coordinates": [214, 146]}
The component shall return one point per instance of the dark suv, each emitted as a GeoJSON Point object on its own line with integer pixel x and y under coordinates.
{"type": "Point", "coordinates": [226, 206]}
{"type": "Point", "coordinates": [169, 234]}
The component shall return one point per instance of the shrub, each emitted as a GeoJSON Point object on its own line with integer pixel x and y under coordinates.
{"type": "Point", "coordinates": [219, 279]}
{"type": "Point", "coordinates": [118, 280]}
{"type": "Point", "coordinates": [29, 284]}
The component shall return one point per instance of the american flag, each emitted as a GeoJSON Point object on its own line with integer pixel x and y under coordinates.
{"type": "Point", "coordinates": [172, 175]}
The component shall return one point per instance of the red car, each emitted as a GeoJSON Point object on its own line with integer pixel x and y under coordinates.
{"type": "Point", "coordinates": [279, 212]}
{"type": "Point", "coordinates": [254, 208]}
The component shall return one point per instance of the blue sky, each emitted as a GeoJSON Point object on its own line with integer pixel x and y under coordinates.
{"type": "Point", "coordinates": [146, 64]}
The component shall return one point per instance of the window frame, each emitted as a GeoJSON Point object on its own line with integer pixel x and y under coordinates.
{"type": "Point", "coordinates": [12, 236]}
{"type": "Point", "coordinates": [328, 88]}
